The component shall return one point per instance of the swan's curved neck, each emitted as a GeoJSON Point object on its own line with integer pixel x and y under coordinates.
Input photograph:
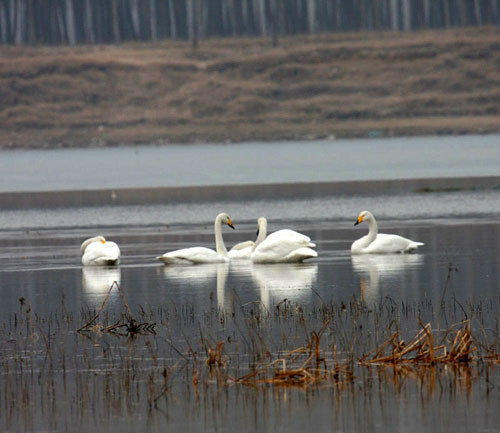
{"type": "Point", "coordinates": [85, 244]}
{"type": "Point", "coordinates": [219, 242]}
{"type": "Point", "coordinates": [262, 233]}
{"type": "Point", "coordinates": [372, 228]}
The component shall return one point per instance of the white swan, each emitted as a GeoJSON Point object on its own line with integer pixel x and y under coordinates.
{"type": "Point", "coordinates": [97, 251]}
{"type": "Point", "coordinates": [197, 255]}
{"type": "Point", "coordinates": [379, 243]}
{"type": "Point", "coordinates": [244, 250]}
{"type": "Point", "coordinates": [283, 246]}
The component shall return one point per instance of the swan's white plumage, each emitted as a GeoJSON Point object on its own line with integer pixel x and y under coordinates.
{"type": "Point", "coordinates": [283, 246]}
{"type": "Point", "coordinates": [198, 255]}
{"type": "Point", "coordinates": [243, 250]}
{"type": "Point", "coordinates": [192, 256]}
{"type": "Point", "coordinates": [380, 243]}
{"type": "Point", "coordinates": [97, 251]}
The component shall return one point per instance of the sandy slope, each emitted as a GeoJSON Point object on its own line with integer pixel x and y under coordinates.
{"type": "Point", "coordinates": [343, 85]}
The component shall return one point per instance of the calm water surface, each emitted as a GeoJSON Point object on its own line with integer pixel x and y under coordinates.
{"type": "Point", "coordinates": [42, 266]}
{"type": "Point", "coordinates": [215, 164]}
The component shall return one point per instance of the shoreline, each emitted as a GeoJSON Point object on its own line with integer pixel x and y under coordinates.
{"type": "Point", "coordinates": [190, 194]}
{"type": "Point", "coordinates": [308, 137]}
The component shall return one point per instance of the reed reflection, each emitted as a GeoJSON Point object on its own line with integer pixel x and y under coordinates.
{"type": "Point", "coordinates": [379, 269]}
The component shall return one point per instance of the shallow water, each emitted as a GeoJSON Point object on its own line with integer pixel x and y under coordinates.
{"type": "Point", "coordinates": [46, 261]}
{"type": "Point", "coordinates": [55, 379]}
{"type": "Point", "coordinates": [243, 163]}
{"type": "Point", "coordinates": [42, 266]}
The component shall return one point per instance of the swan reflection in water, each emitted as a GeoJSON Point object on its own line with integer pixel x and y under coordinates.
{"type": "Point", "coordinates": [202, 275]}
{"type": "Point", "coordinates": [96, 281]}
{"type": "Point", "coordinates": [276, 281]}
{"type": "Point", "coordinates": [375, 269]}
{"type": "Point", "coordinates": [292, 281]}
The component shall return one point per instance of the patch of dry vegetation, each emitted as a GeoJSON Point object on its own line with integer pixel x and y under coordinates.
{"type": "Point", "coordinates": [344, 85]}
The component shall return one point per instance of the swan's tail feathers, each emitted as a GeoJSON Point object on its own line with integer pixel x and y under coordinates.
{"type": "Point", "coordinates": [311, 245]}
{"type": "Point", "coordinates": [305, 253]}
{"type": "Point", "coordinates": [413, 247]}
{"type": "Point", "coordinates": [102, 261]}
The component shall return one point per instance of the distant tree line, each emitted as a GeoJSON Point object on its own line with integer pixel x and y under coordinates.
{"type": "Point", "coordinates": [106, 21]}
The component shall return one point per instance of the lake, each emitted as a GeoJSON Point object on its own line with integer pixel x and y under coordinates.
{"type": "Point", "coordinates": [57, 379]}
{"type": "Point", "coordinates": [243, 163]}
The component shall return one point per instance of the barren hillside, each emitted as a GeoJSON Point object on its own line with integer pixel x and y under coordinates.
{"type": "Point", "coordinates": [343, 85]}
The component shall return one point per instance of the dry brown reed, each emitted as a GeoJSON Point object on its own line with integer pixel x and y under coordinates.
{"type": "Point", "coordinates": [457, 346]}
{"type": "Point", "coordinates": [126, 320]}
{"type": "Point", "coordinates": [302, 367]}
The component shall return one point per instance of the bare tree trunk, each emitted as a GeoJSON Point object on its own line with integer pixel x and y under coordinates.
{"type": "Point", "coordinates": [189, 18]}
{"type": "Point", "coordinates": [311, 15]}
{"type": "Point", "coordinates": [477, 12]}
{"type": "Point", "coordinates": [3, 23]}
{"type": "Point", "coordinates": [152, 20]}
{"type": "Point", "coordinates": [232, 16]}
{"type": "Point", "coordinates": [494, 9]}
{"type": "Point", "coordinates": [406, 12]}
{"type": "Point", "coordinates": [31, 28]}
{"type": "Point", "coordinates": [245, 15]}
{"type": "Point", "coordinates": [134, 11]}
{"type": "Point", "coordinates": [12, 19]}
{"type": "Point", "coordinates": [275, 8]}
{"type": "Point", "coordinates": [224, 15]}
{"type": "Point", "coordinates": [60, 23]}
{"type": "Point", "coordinates": [446, 13]}
{"type": "Point", "coordinates": [204, 14]}
{"type": "Point", "coordinates": [338, 15]}
{"type": "Point", "coordinates": [70, 22]}
{"type": "Point", "coordinates": [89, 28]}
{"type": "Point", "coordinates": [192, 18]}
{"type": "Point", "coordinates": [196, 16]}
{"type": "Point", "coordinates": [20, 20]}
{"type": "Point", "coordinates": [298, 17]}
{"type": "Point", "coordinates": [115, 19]}
{"type": "Point", "coordinates": [427, 13]}
{"type": "Point", "coordinates": [262, 17]}
{"type": "Point", "coordinates": [173, 21]}
{"type": "Point", "coordinates": [394, 15]}
{"type": "Point", "coordinates": [462, 13]}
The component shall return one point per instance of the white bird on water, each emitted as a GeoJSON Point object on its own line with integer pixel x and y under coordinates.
{"type": "Point", "coordinates": [244, 250]}
{"type": "Point", "coordinates": [283, 246]}
{"type": "Point", "coordinates": [380, 243]}
{"type": "Point", "coordinates": [97, 251]}
{"type": "Point", "coordinates": [196, 255]}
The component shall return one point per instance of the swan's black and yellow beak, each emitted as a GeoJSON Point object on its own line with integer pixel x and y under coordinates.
{"type": "Point", "coordinates": [359, 220]}
{"type": "Point", "coordinates": [230, 224]}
